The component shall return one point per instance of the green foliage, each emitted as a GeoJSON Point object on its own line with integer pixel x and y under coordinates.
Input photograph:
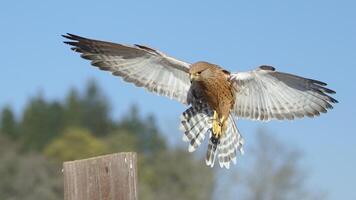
{"type": "Point", "coordinates": [90, 110]}
{"type": "Point", "coordinates": [75, 143]}
{"type": "Point", "coordinates": [80, 127]}
{"type": "Point", "coordinates": [73, 109]}
{"type": "Point", "coordinates": [41, 122]}
{"type": "Point", "coordinates": [175, 174]}
{"type": "Point", "coordinates": [96, 110]}
{"type": "Point", "coordinates": [121, 141]}
{"type": "Point", "coordinates": [146, 132]}
{"type": "Point", "coordinates": [8, 124]}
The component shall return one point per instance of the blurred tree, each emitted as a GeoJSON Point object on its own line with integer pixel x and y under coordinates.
{"type": "Point", "coordinates": [8, 124]}
{"type": "Point", "coordinates": [132, 121]}
{"type": "Point", "coordinates": [73, 109]}
{"type": "Point", "coordinates": [175, 174]}
{"type": "Point", "coordinates": [70, 130]}
{"type": "Point", "coordinates": [275, 172]}
{"type": "Point", "coordinates": [96, 110]}
{"type": "Point", "coordinates": [149, 138]}
{"type": "Point", "coordinates": [90, 111]}
{"type": "Point", "coordinates": [160, 175]}
{"type": "Point", "coordinates": [41, 122]}
{"type": "Point", "coordinates": [27, 176]}
{"type": "Point", "coordinates": [121, 141]}
{"type": "Point", "coordinates": [75, 143]}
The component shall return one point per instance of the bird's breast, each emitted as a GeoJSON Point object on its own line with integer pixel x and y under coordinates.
{"type": "Point", "coordinates": [218, 93]}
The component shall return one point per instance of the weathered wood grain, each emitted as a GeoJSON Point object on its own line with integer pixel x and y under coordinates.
{"type": "Point", "coordinates": [108, 177]}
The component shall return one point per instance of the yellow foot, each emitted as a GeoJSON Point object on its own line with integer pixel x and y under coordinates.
{"type": "Point", "coordinates": [216, 129]}
{"type": "Point", "coordinates": [216, 126]}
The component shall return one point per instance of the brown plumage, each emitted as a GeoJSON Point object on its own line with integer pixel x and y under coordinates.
{"type": "Point", "coordinates": [217, 90]}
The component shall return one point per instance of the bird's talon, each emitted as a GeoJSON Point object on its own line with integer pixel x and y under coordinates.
{"type": "Point", "coordinates": [215, 140]}
{"type": "Point", "coordinates": [216, 126]}
{"type": "Point", "coordinates": [216, 129]}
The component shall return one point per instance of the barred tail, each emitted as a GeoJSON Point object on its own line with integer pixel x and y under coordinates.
{"type": "Point", "coordinates": [230, 142]}
{"type": "Point", "coordinates": [196, 122]}
{"type": "Point", "coordinates": [211, 152]}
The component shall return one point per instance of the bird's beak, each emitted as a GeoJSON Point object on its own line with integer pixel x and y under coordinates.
{"type": "Point", "coordinates": [193, 77]}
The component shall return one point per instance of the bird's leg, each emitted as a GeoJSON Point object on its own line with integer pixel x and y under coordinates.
{"type": "Point", "coordinates": [216, 125]}
{"type": "Point", "coordinates": [223, 124]}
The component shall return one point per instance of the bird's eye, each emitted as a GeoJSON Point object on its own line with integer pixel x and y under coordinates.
{"type": "Point", "coordinates": [198, 73]}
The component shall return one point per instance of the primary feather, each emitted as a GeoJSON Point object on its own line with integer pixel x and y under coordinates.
{"type": "Point", "coordinates": [265, 94]}
{"type": "Point", "coordinates": [141, 65]}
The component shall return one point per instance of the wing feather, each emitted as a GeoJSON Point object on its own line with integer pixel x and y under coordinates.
{"type": "Point", "coordinates": [265, 94]}
{"type": "Point", "coordinates": [140, 65]}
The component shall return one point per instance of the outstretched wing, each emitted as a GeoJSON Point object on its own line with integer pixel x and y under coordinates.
{"type": "Point", "coordinates": [141, 65]}
{"type": "Point", "coordinates": [265, 94]}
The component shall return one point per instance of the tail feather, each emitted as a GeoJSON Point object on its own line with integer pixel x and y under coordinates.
{"type": "Point", "coordinates": [227, 147]}
{"type": "Point", "coordinates": [192, 128]}
{"type": "Point", "coordinates": [196, 122]}
{"type": "Point", "coordinates": [238, 140]}
{"type": "Point", "coordinates": [211, 152]}
{"type": "Point", "coordinates": [197, 140]}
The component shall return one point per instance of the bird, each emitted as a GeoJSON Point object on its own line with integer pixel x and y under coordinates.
{"type": "Point", "coordinates": [215, 98]}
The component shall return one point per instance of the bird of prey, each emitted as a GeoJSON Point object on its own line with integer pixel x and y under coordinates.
{"type": "Point", "coordinates": [214, 95]}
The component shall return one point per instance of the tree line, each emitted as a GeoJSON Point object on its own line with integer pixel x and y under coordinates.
{"type": "Point", "coordinates": [35, 142]}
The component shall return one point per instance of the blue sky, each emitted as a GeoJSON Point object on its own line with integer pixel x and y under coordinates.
{"type": "Point", "coordinates": [315, 39]}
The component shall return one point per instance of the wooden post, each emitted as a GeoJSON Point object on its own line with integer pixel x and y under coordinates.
{"type": "Point", "coordinates": [108, 177]}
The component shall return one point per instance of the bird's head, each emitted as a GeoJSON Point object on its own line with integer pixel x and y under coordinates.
{"type": "Point", "coordinates": [197, 69]}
